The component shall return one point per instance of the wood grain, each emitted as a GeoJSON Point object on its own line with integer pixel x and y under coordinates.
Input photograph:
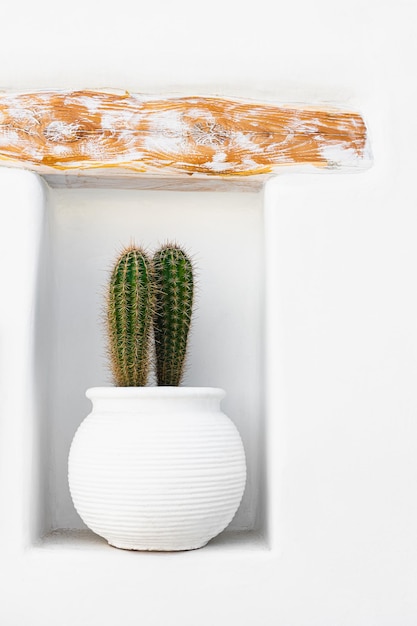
{"type": "Point", "coordinates": [84, 130]}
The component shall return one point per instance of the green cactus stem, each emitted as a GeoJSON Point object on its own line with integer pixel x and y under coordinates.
{"type": "Point", "coordinates": [174, 287]}
{"type": "Point", "coordinates": [129, 317]}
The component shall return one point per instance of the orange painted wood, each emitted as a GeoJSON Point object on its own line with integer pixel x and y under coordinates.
{"type": "Point", "coordinates": [205, 136]}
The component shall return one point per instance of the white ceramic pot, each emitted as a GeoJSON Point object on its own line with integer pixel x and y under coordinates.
{"type": "Point", "coordinates": [157, 468]}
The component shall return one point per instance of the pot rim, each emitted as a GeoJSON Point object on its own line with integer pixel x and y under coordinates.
{"type": "Point", "coordinates": [155, 392]}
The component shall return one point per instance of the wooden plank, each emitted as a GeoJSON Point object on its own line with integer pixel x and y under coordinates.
{"type": "Point", "coordinates": [63, 131]}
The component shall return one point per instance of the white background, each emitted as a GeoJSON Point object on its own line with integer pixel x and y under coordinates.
{"type": "Point", "coordinates": [342, 316]}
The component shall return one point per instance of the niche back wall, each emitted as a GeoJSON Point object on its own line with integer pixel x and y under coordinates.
{"type": "Point", "coordinates": [224, 234]}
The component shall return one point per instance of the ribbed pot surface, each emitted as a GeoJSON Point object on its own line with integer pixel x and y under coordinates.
{"type": "Point", "coordinates": [158, 468]}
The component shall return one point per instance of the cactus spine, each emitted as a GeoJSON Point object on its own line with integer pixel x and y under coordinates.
{"type": "Point", "coordinates": [174, 289]}
{"type": "Point", "coordinates": [129, 317]}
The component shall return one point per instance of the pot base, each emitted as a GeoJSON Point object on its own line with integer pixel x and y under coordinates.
{"type": "Point", "coordinates": [139, 548]}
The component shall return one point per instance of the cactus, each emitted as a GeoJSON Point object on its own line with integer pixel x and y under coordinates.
{"type": "Point", "coordinates": [129, 317]}
{"type": "Point", "coordinates": [174, 288]}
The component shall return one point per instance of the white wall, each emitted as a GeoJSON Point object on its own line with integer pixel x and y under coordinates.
{"type": "Point", "coordinates": [342, 311]}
